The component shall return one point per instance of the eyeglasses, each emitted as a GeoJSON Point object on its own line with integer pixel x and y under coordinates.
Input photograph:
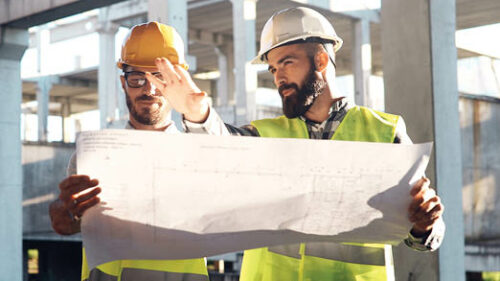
{"type": "Point", "coordinates": [137, 79]}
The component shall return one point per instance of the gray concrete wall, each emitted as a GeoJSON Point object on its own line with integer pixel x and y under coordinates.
{"type": "Point", "coordinates": [480, 123]}
{"type": "Point", "coordinates": [44, 166]}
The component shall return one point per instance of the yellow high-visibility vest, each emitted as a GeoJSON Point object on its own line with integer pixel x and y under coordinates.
{"type": "Point", "coordinates": [325, 261]}
{"type": "Point", "coordinates": [154, 270]}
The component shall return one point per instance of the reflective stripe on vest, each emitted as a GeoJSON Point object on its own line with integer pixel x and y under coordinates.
{"type": "Point", "coordinates": [151, 270]}
{"type": "Point", "coordinates": [334, 251]}
{"type": "Point", "coordinates": [97, 275]}
{"type": "Point", "coordinates": [134, 274]}
{"type": "Point", "coordinates": [324, 261]}
{"type": "Point", "coordinates": [291, 250]}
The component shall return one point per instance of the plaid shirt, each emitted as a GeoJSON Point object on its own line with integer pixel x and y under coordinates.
{"type": "Point", "coordinates": [326, 129]}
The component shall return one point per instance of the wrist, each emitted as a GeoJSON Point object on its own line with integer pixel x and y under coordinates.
{"type": "Point", "coordinates": [199, 116]}
{"type": "Point", "coordinates": [418, 232]}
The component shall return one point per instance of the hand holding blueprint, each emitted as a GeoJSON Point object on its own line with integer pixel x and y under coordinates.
{"type": "Point", "coordinates": [187, 196]}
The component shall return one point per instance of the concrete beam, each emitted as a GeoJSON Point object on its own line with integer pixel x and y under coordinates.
{"type": "Point", "coordinates": [13, 43]}
{"type": "Point", "coordinates": [330, 7]}
{"type": "Point", "coordinates": [62, 100]}
{"type": "Point", "coordinates": [244, 14]}
{"type": "Point", "coordinates": [208, 38]}
{"type": "Point", "coordinates": [67, 81]}
{"type": "Point", "coordinates": [74, 29]}
{"type": "Point", "coordinates": [420, 81]}
{"type": "Point", "coordinates": [28, 13]}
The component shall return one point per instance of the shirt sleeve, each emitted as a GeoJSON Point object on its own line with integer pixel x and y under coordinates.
{"type": "Point", "coordinates": [433, 239]}
{"type": "Point", "coordinates": [212, 126]}
{"type": "Point", "coordinates": [215, 126]}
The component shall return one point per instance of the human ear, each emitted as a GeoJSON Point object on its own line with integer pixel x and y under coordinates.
{"type": "Point", "coordinates": [122, 79]}
{"type": "Point", "coordinates": [321, 61]}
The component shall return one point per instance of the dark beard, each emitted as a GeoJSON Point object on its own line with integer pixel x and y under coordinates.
{"type": "Point", "coordinates": [146, 116]}
{"type": "Point", "coordinates": [298, 103]}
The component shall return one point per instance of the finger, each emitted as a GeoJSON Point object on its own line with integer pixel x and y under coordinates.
{"type": "Point", "coordinates": [85, 205]}
{"type": "Point", "coordinates": [427, 221]}
{"type": "Point", "coordinates": [67, 193]}
{"type": "Point", "coordinates": [415, 204]}
{"type": "Point", "coordinates": [428, 194]}
{"type": "Point", "coordinates": [184, 76]}
{"type": "Point", "coordinates": [159, 84]}
{"type": "Point", "coordinates": [427, 209]}
{"type": "Point", "coordinates": [426, 225]}
{"type": "Point", "coordinates": [420, 185]}
{"type": "Point", "coordinates": [83, 196]}
{"type": "Point", "coordinates": [167, 70]}
{"type": "Point", "coordinates": [73, 179]}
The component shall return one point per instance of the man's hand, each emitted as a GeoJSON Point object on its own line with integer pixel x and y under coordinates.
{"type": "Point", "coordinates": [77, 193]}
{"type": "Point", "coordinates": [180, 91]}
{"type": "Point", "coordinates": [425, 208]}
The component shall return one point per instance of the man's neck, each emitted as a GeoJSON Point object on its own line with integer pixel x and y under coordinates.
{"type": "Point", "coordinates": [320, 110]}
{"type": "Point", "coordinates": [160, 126]}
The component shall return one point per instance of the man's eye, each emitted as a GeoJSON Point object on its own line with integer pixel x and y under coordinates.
{"type": "Point", "coordinates": [136, 80]}
{"type": "Point", "coordinates": [272, 70]}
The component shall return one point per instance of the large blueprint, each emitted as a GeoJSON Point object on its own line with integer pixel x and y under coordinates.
{"type": "Point", "coordinates": [187, 196]}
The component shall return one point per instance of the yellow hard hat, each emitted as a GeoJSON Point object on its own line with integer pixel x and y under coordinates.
{"type": "Point", "coordinates": [148, 41]}
{"type": "Point", "coordinates": [292, 24]}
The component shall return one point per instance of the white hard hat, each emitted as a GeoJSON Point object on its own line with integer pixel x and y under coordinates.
{"type": "Point", "coordinates": [294, 24]}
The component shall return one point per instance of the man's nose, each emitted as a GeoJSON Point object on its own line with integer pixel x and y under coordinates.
{"type": "Point", "coordinates": [279, 80]}
{"type": "Point", "coordinates": [149, 88]}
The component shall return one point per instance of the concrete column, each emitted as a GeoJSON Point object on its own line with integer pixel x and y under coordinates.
{"type": "Point", "coordinates": [244, 12]}
{"type": "Point", "coordinates": [362, 62]}
{"type": "Point", "coordinates": [13, 43]}
{"type": "Point", "coordinates": [229, 51]}
{"type": "Point", "coordinates": [66, 113]}
{"type": "Point", "coordinates": [420, 77]}
{"type": "Point", "coordinates": [108, 72]}
{"type": "Point", "coordinates": [42, 49]}
{"type": "Point", "coordinates": [44, 85]}
{"type": "Point", "coordinates": [222, 82]}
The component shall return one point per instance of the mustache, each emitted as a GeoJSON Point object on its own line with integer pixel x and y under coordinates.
{"type": "Point", "coordinates": [147, 98]}
{"type": "Point", "coordinates": [283, 87]}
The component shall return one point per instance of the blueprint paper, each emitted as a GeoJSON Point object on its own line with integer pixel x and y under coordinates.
{"type": "Point", "coordinates": [188, 196]}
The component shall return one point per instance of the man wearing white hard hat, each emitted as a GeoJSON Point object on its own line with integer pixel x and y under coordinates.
{"type": "Point", "coordinates": [299, 46]}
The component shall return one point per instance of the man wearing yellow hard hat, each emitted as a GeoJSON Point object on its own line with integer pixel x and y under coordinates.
{"type": "Point", "coordinates": [144, 46]}
{"type": "Point", "coordinates": [299, 46]}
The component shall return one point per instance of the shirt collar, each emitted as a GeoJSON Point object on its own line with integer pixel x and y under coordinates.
{"type": "Point", "coordinates": [171, 128]}
{"type": "Point", "coordinates": [339, 105]}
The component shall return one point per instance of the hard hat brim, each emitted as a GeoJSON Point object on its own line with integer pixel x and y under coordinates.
{"type": "Point", "coordinates": [334, 39]}
{"type": "Point", "coordinates": [120, 64]}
